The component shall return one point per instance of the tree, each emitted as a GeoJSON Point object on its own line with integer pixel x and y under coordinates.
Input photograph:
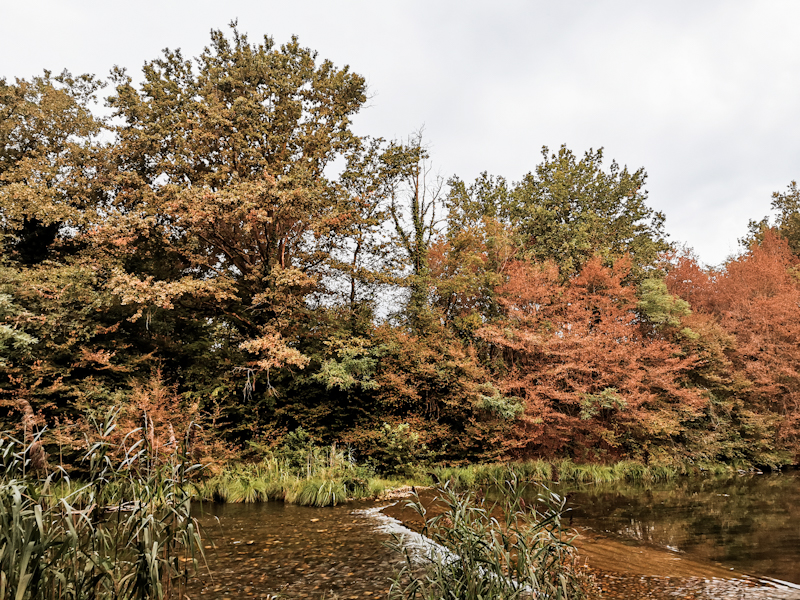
{"type": "Point", "coordinates": [571, 210]}
{"type": "Point", "coordinates": [367, 255]}
{"type": "Point", "coordinates": [222, 167]}
{"type": "Point", "coordinates": [746, 334]}
{"type": "Point", "coordinates": [758, 301]}
{"type": "Point", "coordinates": [466, 267]}
{"type": "Point", "coordinates": [47, 163]}
{"type": "Point", "coordinates": [787, 221]}
{"type": "Point", "coordinates": [66, 342]}
{"type": "Point", "coordinates": [594, 382]}
{"type": "Point", "coordinates": [488, 196]}
{"type": "Point", "coordinates": [413, 210]}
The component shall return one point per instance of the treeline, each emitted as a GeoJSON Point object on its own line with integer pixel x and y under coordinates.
{"type": "Point", "coordinates": [223, 255]}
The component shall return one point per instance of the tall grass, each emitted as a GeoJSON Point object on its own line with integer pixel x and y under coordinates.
{"type": "Point", "coordinates": [506, 550]}
{"type": "Point", "coordinates": [126, 533]}
{"type": "Point", "coordinates": [313, 477]}
{"type": "Point", "coordinates": [560, 471]}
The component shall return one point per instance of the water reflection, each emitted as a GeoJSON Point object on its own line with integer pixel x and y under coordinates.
{"type": "Point", "coordinates": [750, 523]}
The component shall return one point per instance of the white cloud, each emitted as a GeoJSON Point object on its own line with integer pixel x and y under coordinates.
{"type": "Point", "coordinates": [702, 94]}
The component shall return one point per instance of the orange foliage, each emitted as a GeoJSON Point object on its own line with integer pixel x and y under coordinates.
{"type": "Point", "coordinates": [593, 381]}
{"type": "Point", "coordinates": [756, 299]}
{"type": "Point", "coordinates": [155, 414]}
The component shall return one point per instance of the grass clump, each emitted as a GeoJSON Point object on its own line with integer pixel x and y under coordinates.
{"type": "Point", "coordinates": [297, 472]}
{"type": "Point", "coordinates": [509, 549]}
{"type": "Point", "coordinates": [317, 492]}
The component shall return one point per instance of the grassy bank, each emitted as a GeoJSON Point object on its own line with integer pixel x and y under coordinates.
{"type": "Point", "coordinates": [327, 477]}
{"type": "Point", "coordinates": [271, 480]}
{"type": "Point", "coordinates": [301, 473]}
{"type": "Point", "coordinates": [567, 471]}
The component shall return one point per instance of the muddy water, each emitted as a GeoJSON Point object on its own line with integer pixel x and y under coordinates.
{"type": "Point", "coordinates": [694, 538]}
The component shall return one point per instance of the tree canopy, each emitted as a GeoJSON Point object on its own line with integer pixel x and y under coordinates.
{"type": "Point", "coordinates": [226, 239]}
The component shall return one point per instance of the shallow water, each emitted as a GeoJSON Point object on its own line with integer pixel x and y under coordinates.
{"type": "Point", "coordinates": [690, 538]}
{"type": "Point", "coordinates": [257, 550]}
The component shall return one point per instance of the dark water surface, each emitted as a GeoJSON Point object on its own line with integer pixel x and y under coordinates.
{"type": "Point", "coordinates": [684, 537]}
{"type": "Point", "coordinates": [750, 523]}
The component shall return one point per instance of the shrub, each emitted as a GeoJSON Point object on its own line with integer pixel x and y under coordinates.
{"type": "Point", "coordinates": [399, 451]}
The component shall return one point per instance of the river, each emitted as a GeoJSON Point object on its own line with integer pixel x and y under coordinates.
{"type": "Point", "coordinates": [702, 537]}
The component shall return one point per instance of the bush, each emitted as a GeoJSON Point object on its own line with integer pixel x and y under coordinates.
{"type": "Point", "coordinates": [399, 451]}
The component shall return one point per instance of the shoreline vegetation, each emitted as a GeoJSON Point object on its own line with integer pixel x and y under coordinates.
{"type": "Point", "coordinates": [266, 482]}
{"type": "Point", "coordinates": [301, 472]}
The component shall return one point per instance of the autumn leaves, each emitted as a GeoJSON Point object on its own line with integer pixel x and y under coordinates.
{"type": "Point", "coordinates": [203, 237]}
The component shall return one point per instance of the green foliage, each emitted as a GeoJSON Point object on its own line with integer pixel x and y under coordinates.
{"type": "Point", "coordinates": [48, 155]}
{"type": "Point", "coordinates": [571, 209]}
{"type": "Point", "coordinates": [415, 211]}
{"type": "Point", "coordinates": [786, 222]}
{"type": "Point", "coordinates": [13, 341]}
{"type": "Point", "coordinates": [471, 477]}
{"type": "Point", "coordinates": [298, 472]}
{"type": "Point", "coordinates": [399, 450]}
{"type": "Point", "coordinates": [507, 408]}
{"type": "Point", "coordinates": [318, 492]}
{"type": "Point", "coordinates": [606, 400]}
{"type": "Point", "coordinates": [508, 550]}
{"type": "Point", "coordinates": [660, 307]}
{"type": "Point", "coordinates": [355, 365]}
{"type": "Point", "coordinates": [488, 196]}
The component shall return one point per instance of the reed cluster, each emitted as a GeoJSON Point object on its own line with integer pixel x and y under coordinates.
{"type": "Point", "coordinates": [124, 532]}
{"type": "Point", "coordinates": [310, 476]}
{"type": "Point", "coordinates": [563, 471]}
{"type": "Point", "coordinates": [507, 549]}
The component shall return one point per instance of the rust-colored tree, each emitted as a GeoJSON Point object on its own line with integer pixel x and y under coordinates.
{"type": "Point", "coordinates": [595, 383]}
{"type": "Point", "coordinates": [756, 300]}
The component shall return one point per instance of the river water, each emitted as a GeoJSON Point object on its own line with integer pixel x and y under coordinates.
{"type": "Point", "coordinates": [749, 523]}
{"type": "Point", "coordinates": [712, 538]}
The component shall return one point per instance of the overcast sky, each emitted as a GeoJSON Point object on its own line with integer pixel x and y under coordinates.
{"type": "Point", "coordinates": [704, 95]}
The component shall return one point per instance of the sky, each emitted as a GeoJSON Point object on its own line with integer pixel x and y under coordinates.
{"type": "Point", "coordinates": [703, 95]}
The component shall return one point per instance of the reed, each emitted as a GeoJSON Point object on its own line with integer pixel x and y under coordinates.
{"type": "Point", "coordinates": [311, 476]}
{"type": "Point", "coordinates": [563, 471]}
{"type": "Point", "coordinates": [126, 533]}
{"type": "Point", "coordinates": [510, 549]}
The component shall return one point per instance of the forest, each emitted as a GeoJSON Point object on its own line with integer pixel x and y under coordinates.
{"type": "Point", "coordinates": [216, 253]}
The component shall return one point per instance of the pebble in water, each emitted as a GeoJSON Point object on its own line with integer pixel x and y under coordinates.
{"type": "Point", "coordinates": [297, 552]}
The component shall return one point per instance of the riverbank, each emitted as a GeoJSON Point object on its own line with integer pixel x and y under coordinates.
{"type": "Point", "coordinates": [333, 481]}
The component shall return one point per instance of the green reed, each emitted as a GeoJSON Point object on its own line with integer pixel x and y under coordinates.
{"type": "Point", "coordinates": [502, 550]}
{"type": "Point", "coordinates": [563, 471]}
{"type": "Point", "coordinates": [125, 533]}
